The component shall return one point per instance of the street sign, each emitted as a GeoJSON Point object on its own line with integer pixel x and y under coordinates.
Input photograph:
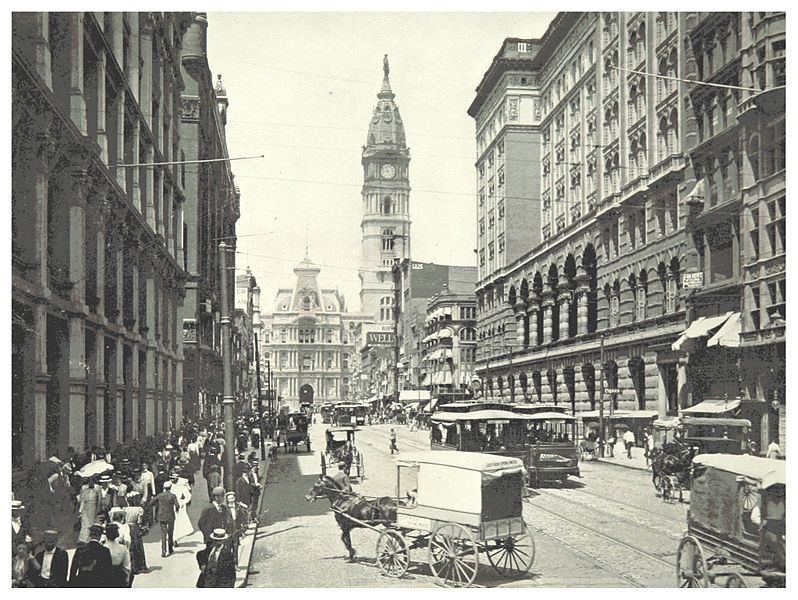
{"type": "Point", "coordinates": [693, 281]}
{"type": "Point", "coordinates": [612, 391]}
{"type": "Point", "coordinates": [380, 338]}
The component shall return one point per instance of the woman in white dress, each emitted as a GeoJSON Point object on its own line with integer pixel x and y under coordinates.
{"type": "Point", "coordinates": [182, 490]}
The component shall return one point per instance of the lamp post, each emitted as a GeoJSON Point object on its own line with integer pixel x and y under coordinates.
{"type": "Point", "coordinates": [228, 400]}
{"type": "Point", "coordinates": [601, 402]}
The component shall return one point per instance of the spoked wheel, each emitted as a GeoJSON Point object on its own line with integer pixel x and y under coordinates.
{"type": "Point", "coordinates": [750, 497]}
{"type": "Point", "coordinates": [657, 479]}
{"type": "Point", "coordinates": [666, 489]}
{"type": "Point", "coordinates": [735, 580]}
{"type": "Point", "coordinates": [691, 564]}
{"type": "Point", "coordinates": [511, 556]}
{"type": "Point", "coordinates": [453, 555]}
{"type": "Point", "coordinates": [393, 556]}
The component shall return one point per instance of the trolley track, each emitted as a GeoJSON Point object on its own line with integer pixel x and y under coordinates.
{"type": "Point", "coordinates": [602, 562]}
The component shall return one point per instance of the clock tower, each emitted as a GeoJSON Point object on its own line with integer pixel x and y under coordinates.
{"type": "Point", "coordinates": [385, 200]}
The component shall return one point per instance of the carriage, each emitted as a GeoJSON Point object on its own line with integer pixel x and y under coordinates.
{"type": "Point", "coordinates": [341, 447]}
{"type": "Point", "coordinates": [458, 506]}
{"type": "Point", "coordinates": [296, 431]}
{"type": "Point", "coordinates": [677, 441]}
{"type": "Point", "coordinates": [736, 523]}
{"type": "Point", "coordinates": [349, 414]}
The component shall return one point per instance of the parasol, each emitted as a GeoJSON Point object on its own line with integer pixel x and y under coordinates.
{"type": "Point", "coordinates": [95, 467]}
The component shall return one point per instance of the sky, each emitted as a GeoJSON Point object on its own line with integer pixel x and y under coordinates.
{"type": "Point", "coordinates": [302, 88]}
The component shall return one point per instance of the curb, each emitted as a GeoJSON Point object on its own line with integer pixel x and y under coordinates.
{"type": "Point", "coordinates": [620, 464]}
{"type": "Point", "coordinates": [248, 543]}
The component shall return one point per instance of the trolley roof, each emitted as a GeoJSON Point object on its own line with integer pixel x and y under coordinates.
{"type": "Point", "coordinates": [715, 421]}
{"type": "Point", "coordinates": [551, 416]}
{"type": "Point", "coordinates": [472, 461]}
{"type": "Point", "coordinates": [342, 428]}
{"type": "Point", "coordinates": [768, 471]}
{"type": "Point", "coordinates": [481, 415]}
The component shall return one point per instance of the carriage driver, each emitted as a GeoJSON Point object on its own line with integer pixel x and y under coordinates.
{"type": "Point", "coordinates": [341, 479]}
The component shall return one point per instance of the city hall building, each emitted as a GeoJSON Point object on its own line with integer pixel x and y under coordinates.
{"type": "Point", "coordinates": [630, 222]}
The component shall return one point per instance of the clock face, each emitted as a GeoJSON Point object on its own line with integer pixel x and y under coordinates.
{"type": "Point", "coordinates": [388, 171]}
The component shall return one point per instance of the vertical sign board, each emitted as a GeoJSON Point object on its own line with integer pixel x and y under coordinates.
{"type": "Point", "coordinates": [242, 296]}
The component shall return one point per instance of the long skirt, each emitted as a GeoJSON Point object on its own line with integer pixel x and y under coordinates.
{"type": "Point", "coordinates": [138, 559]}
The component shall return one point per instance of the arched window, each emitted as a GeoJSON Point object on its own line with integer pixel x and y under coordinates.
{"type": "Point", "coordinates": [387, 206]}
{"type": "Point", "coordinates": [387, 239]}
{"type": "Point", "coordinates": [640, 297]}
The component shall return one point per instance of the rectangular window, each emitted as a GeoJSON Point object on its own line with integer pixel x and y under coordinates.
{"type": "Point", "coordinates": [719, 239]}
{"type": "Point", "coordinates": [754, 233]}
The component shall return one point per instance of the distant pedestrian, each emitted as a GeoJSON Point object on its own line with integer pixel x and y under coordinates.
{"type": "Point", "coordinates": [214, 480]}
{"type": "Point", "coordinates": [167, 505]}
{"type": "Point", "coordinates": [774, 450]}
{"type": "Point", "coordinates": [629, 441]}
{"type": "Point", "coordinates": [394, 448]}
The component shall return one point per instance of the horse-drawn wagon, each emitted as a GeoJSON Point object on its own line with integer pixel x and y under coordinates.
{"type": "Point", "coordinates": [736, 523]}
{"type": "Point", "coordinates": [295, 427]}
{"type": "Point", "coordinates": [340, 446]}
{"type": "Point", "coordinates": [456, 505]}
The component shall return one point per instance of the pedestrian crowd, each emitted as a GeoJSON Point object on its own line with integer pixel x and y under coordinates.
{"type": "Point", "coordinates": [103, 503]}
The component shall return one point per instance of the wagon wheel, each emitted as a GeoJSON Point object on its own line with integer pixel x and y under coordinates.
{"type": "Point", "coordinates": [511, 556]}
{"type": "Point", "coordinates": [691, 564]}
{"type": "Point", "coordinates": [657, 480]}
{"type": "Point", "coordinates": [750, 498]}
{"type": "Point", "coordinates": [453, 555]}
{"type": "Point", "coordinates": [393, 556]}
{"type": "Point", "coordinates": [735, 580]}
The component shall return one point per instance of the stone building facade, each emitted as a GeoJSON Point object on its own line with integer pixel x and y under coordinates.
{"type": "Point", "coordinates": [449, 344]}
{"type": "Point", "coordinates": [97, 248]}
{"type": "Point", "coordinates": [646, 183]}
{"type": "Point", "coordinates": [210, 216]}
{"type": "Point", "coordinates": [309, 342]}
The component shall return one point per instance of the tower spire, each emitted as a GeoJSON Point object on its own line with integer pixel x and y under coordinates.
{"type": "Point", "coordinates": [386, 91]}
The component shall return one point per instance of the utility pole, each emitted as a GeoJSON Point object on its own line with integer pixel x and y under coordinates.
{"type": "Point", "coordinates": [228, 400]}
{"type": "Point", "coordinates": [601, 403]}
{"type": "Point", "coordinates": [260, 401]}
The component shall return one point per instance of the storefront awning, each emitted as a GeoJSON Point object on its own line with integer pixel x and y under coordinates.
{"type": "Point", "coordinates": [699, 328]}
{"type": "Point", "coordinates": [447, 378]}
{"type": "Point", "coordinates": [446, 353]}
{"type": "Point", "coordinates": [729, 333]}
{"type": "Point", "coordinates": [712, 407]}
{"type": "Point", "coordinates": [634, 414]}
{"type": "Point", "coordinates": [406, 396]}
{"type": "Point", "coordinates": [445, 333]}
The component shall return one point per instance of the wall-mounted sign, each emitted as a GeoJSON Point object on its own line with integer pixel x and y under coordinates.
{"type": "Point", "coordinates": [693, 281]}
{"type": "Point", "coordinates": [380, 338]}
{"type": "Point", "coordinates": [612, 391]}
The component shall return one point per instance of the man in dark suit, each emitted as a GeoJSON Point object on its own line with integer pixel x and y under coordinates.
{"type": "Point", "coordinates": [54, 562]}
{"type": "Point", "coordinates": [220, 568]}
{"type": "Point", "coordinates": [168, 505]}
{"type": "Point", "coordinates": [244, 489]}
{"type": "Point", "coordinates": [94, 563]}
{"type": "Point", "coordinates": [214, 516]}
{"type": "Point", "coordinates": [107, 496]}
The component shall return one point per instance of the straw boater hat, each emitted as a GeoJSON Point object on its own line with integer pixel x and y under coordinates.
{"type": "Point", "coordinates": [17, 505]}
{"type": "Point", "coordinates": [219, 535]}
{"type": "Point", "coordinates": [105, 479]}
{"type": "Point", "coordinates": [167, 485]}
{"type": "Point", "coordinates": [50, 534]}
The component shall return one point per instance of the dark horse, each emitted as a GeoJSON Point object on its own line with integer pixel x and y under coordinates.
{"type": "Point", "coordinates": [673, 460]}
{"type": "Point", "coordinates": [349, 504]}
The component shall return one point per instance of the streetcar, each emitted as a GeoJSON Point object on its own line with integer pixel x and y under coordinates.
{"type": "Point", "coordinates": [326, 411]}
{"type": "Point", "coordinates": [736, 524]}
{"type": "Point", "coordinates": [552, 453]}
{"type": "Point", "coordinates": [349, 414]}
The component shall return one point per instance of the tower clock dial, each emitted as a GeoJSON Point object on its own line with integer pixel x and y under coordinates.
{"type": "Point", "coordinates": [388, 171]}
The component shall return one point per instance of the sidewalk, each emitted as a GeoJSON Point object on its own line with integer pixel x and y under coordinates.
{"type": "Point", "coordinates": [180, 570]}
{"type": "Point", "coordinates": [638, 461]}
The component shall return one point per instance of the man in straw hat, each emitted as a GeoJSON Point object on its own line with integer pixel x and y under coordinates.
{"type": "Point", "coordinates": [18, 529]}
{"type": "Point", "coordinates": [220, 566]}
{"type": "Point", "coordinates": [54, 562]}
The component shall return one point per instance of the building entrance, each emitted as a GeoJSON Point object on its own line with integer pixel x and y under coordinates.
{"type": "Point", "coordinates": [306, 394]}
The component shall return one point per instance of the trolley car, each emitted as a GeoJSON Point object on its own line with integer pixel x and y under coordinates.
{"type": "Point", "coordinates": [736, 524]}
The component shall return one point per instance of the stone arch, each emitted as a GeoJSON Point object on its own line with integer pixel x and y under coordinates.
{"type": "Point", "coordinates": [524, 290]}
{"type": "Point", "coordinates": [569, 271]}
{"type": "Point", "coordinates": [589, 379]}
{"type": "Point", "coordinates": [537, 288]}
{"type": "Point", "coordinates": [637, 373]}
{"type": "Point", "coordinates": [552, 281]}
{"type": "Point", "coordinates": [589, 265]}
{"type": "Point", "coordinates": [511, 296]}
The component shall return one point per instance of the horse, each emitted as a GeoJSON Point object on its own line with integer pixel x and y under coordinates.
{"type": "Point", "coordinates": [672, 460]}
{"type": "Point", "coordinates": [349, 504]}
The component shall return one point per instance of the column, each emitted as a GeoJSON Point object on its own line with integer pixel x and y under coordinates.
{"type": "Point", "coordinates": [99, 400]}
{"type": "Point", "coordinates": [152, 374]}
{"type": "Point", "coordinates": [548, 303]}
{"type": "Point", "coordinates": [102, 138]}
{"type": "Point", "coordinates": [77, 104]}
{"type": "Point", "coordinates": [662, 393]}
{"type": "Point", "coordinates": [39, 39]}
{"type": "Point", "coordinates": [534, 317]}
{"type": "Point", "coordinates": [519, 329]}
{"type": "Point", "coordinates": [144, 95]}
{"type": "Point", "coordinates": [565, 302]}
{"type": "Point", "coordinates": [42, 380]}
{"type": "Point", "coordinates": [135, 409]}
{"type": "Point", "coordinates": [582, 290]}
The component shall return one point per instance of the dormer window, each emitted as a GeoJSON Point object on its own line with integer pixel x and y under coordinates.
{"type": "Point", "coordinates": [306, 303]}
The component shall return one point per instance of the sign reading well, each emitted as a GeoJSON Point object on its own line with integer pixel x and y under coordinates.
{"type": "Point", "coordinates": [380, 338]}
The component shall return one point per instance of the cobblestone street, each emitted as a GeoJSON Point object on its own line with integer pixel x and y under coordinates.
{"type": "Point", "coordinates": [608, 529]}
